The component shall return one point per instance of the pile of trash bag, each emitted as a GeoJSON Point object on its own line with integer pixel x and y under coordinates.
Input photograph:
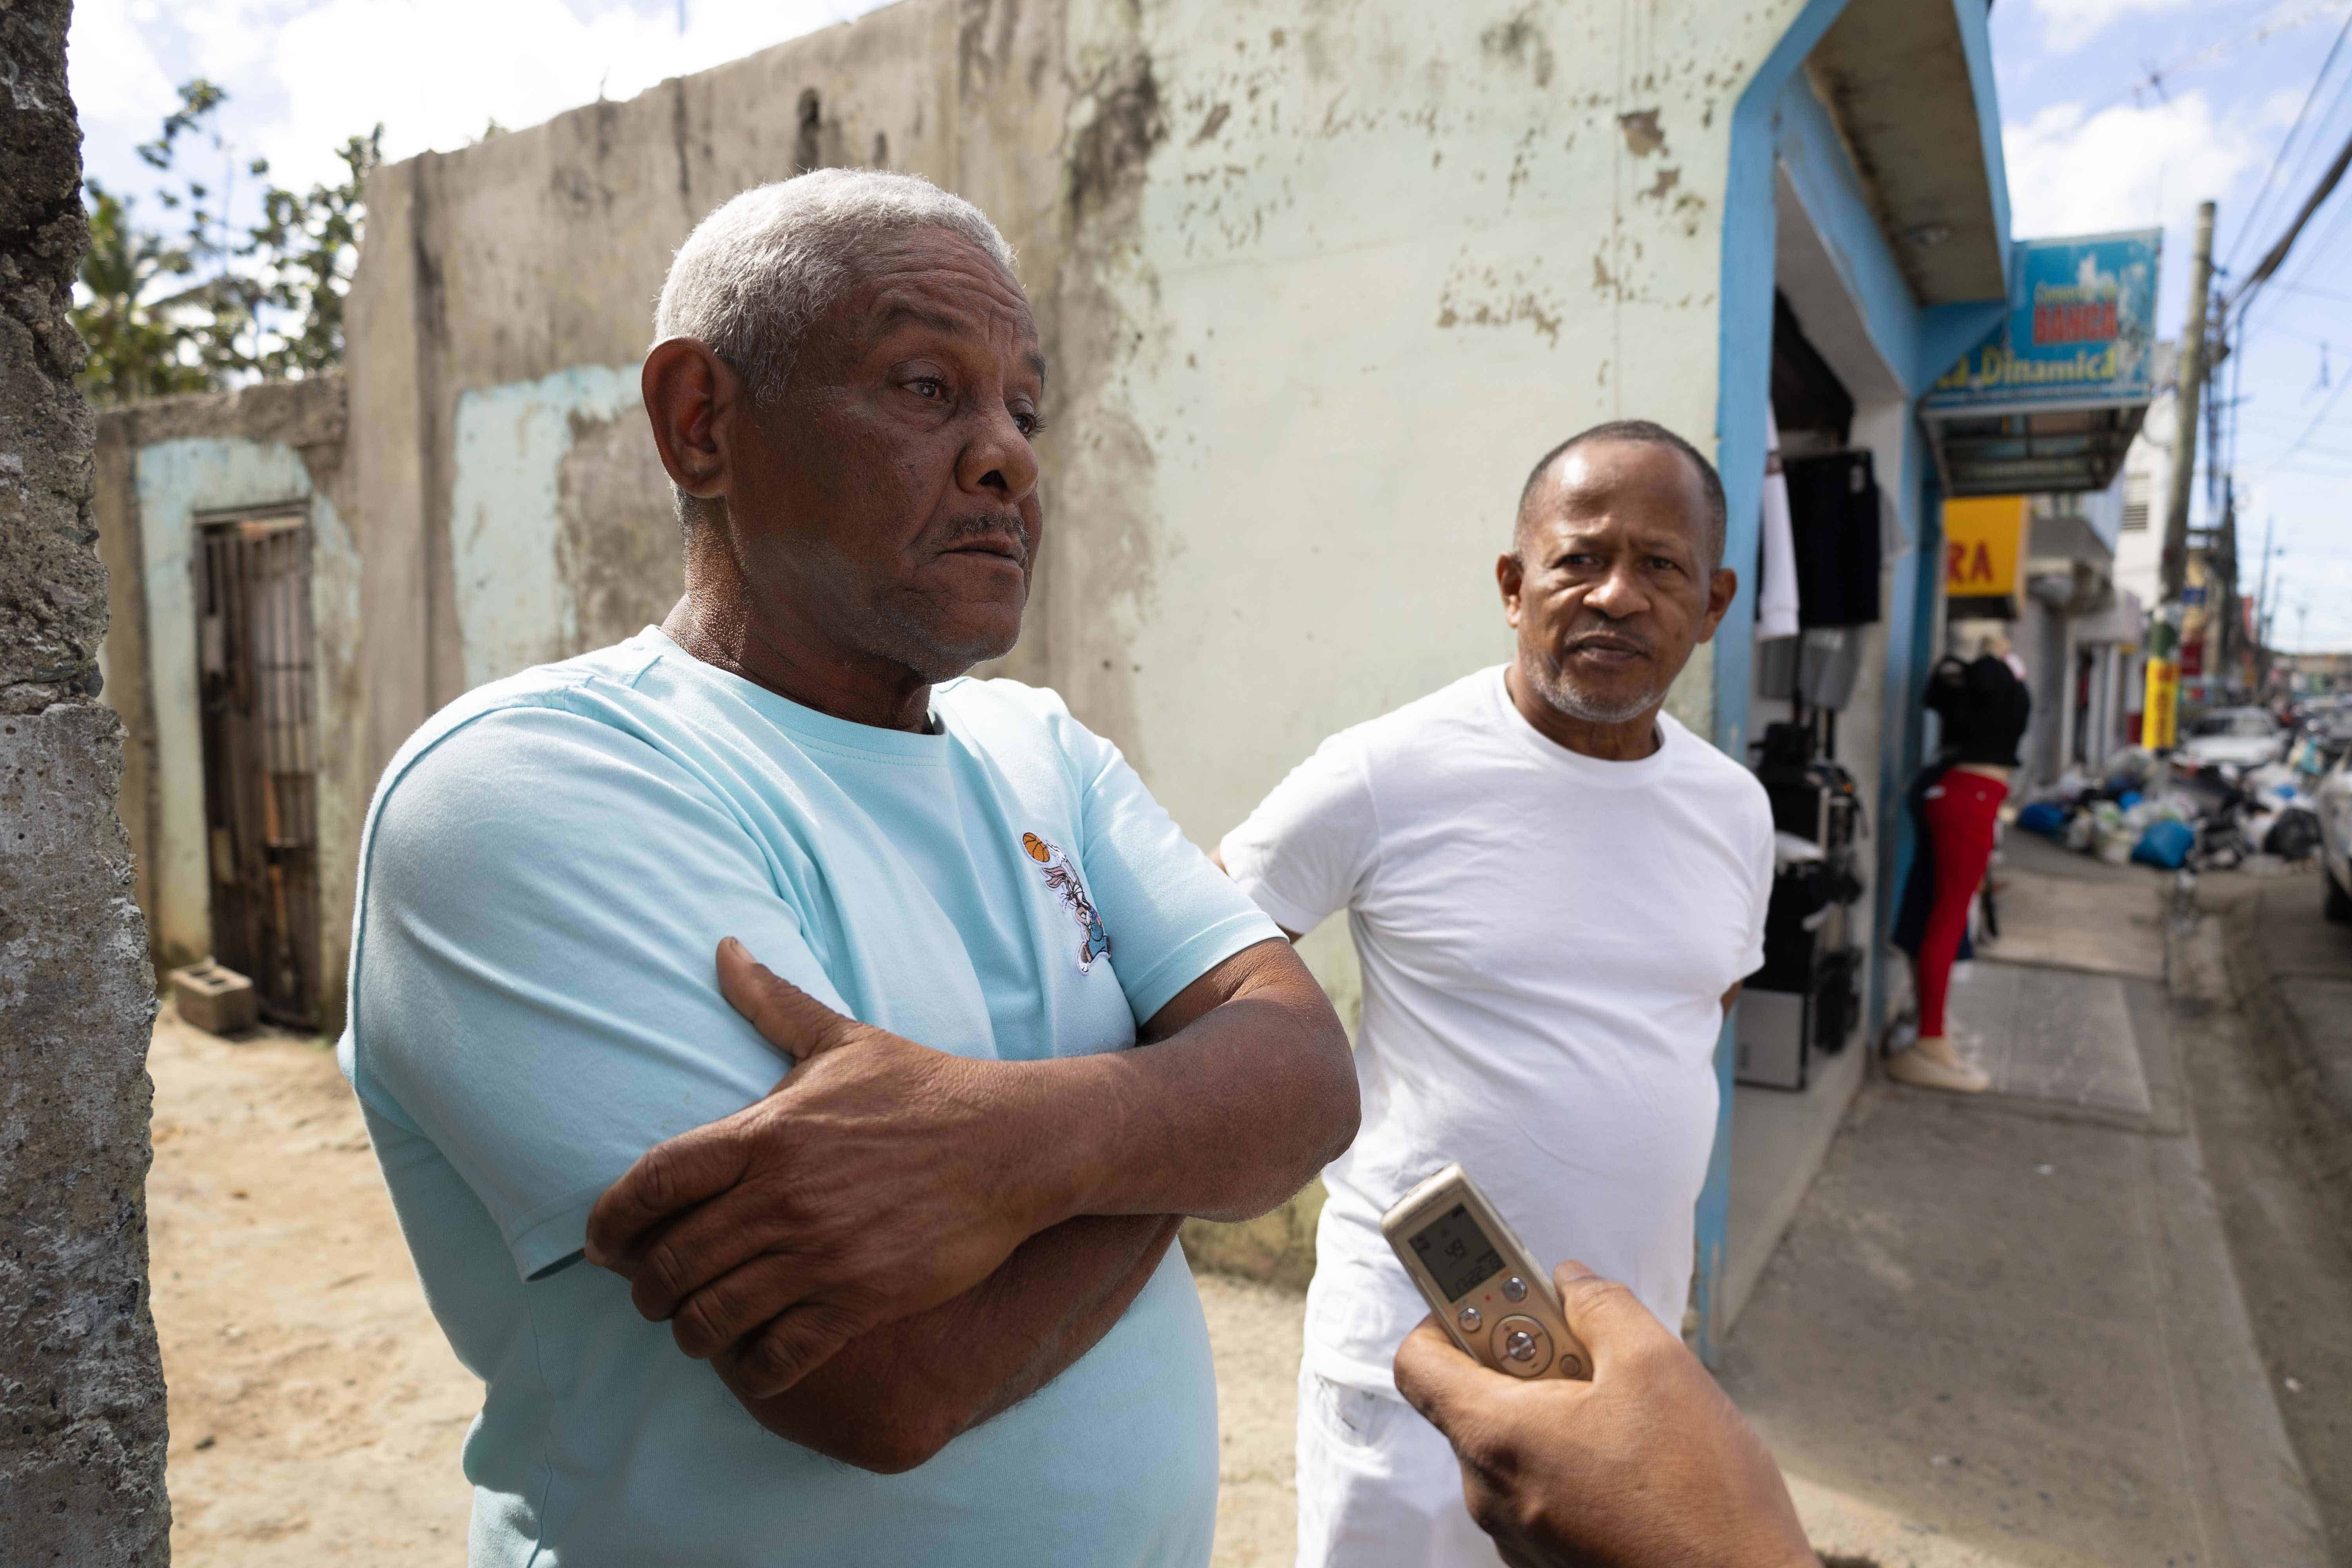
{"type": "Point", "coordinates": [2143, 808]}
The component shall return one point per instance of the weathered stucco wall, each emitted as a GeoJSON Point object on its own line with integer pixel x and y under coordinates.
{"type": "Point", "coordinates": [81, 1394]}
{"type": "Point", "coordinates": [163, 468]}
{"type": "Point", "coordinates": [1318, 279]}
{"type": "Point", "coordinates": [1352, 268]}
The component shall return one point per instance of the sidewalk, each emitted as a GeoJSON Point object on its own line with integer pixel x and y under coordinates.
{"type": "Point", "coordinates": [2006, 1329]}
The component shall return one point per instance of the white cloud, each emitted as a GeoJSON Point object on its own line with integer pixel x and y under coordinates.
{"type": "Point", "coordinates": [303, 75]}
{"type": "Point", "coordinates": [2068, 24]}
{"type": "Point", "coordinates": [2124, 167]}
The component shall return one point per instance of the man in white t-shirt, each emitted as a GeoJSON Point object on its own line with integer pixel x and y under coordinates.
{"type": "Point", "coordinates": [1555, 891]}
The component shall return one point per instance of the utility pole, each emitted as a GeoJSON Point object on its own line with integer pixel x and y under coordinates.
{"type": "Point", "coordinates": [2190, 380]}
{"type": "Point", "coordinates": [2160, 709]}
{"type": "Point", "coordinates": [2262, 614]}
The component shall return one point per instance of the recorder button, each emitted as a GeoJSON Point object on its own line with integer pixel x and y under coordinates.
{"type": "Point", "coordinates": [1515, 1289]}
{"type": "Point", "coordinates": [1470, 1319]}
{"type": "Point", "coordinates": [1524, 1348]}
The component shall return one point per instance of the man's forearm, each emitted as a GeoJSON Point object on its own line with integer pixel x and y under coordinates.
{"type": "Point", "coordinates": [1246, 1089]}
{"type": "Point", "coordinates": [892, 1398]}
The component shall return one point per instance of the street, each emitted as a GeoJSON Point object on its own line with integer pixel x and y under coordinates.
{"type": "Point", "coordinates": [2102, 1315]}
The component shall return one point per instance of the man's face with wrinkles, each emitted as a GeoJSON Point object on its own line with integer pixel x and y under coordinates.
{"type": "Point", "coordinates": [893, 492]}
{"type": "Point", "coordinates": [1612, 582]}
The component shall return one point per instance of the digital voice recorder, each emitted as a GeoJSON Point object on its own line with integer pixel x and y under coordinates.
{"type": "Point", "coordinates": [1489, 1294]}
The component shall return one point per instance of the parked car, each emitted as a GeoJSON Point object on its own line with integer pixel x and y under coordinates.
{"type": "Point", "coordinates": [2334, 802]}
{"type": "Point", "coordinates": [2243, 737]}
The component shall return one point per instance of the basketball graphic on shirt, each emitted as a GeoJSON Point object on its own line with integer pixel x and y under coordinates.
{"type": "Point", "coordinates": [1062, 879]}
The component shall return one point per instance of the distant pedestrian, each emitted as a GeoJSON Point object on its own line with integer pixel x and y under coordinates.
{"type": "Point", "coordinates": [1956, 804]}
{"type": "Point", "coordinates": [1555, 891]}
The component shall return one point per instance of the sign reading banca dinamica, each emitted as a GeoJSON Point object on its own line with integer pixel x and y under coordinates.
{"type": "Point", "coordinates": [2081, 331]}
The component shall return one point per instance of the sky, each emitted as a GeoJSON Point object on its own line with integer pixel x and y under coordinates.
{"type": "Point", "coordinates": [2116, 114]}
{"type": "Point", "coordinates": [2125, 114]}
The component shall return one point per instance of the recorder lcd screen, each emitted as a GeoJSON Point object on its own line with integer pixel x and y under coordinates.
{"type": "Point", "coordinates": [1457, 1252]}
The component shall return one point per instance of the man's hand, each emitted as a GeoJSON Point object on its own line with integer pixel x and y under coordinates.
{"type": "Point", "coordinates": [1647, 1465]}
{"type": "Point", "coordinates": [877, 1181]}
{"type": "Point", "coordinates": [882, 1178]}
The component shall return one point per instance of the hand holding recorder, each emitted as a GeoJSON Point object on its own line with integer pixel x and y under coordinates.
{"type": "Point", "coordinates": [1647, 1464]}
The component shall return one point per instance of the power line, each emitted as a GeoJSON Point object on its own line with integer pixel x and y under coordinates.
{"type": "Point", "coordinates": [2314, 293]}
{"type": "Point", "coordinates": [2155, 78]}
{"type": "Point", "coordinates": [2278, 163]}
{"type": "Point", "coordinates": [2324, 409]}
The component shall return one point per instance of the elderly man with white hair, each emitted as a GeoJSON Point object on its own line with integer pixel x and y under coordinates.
{"type": "Point", "coordinates": [916, 1302]}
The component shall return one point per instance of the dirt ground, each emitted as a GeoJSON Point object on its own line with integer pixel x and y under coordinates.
{"type": "Point", "coordinates": [315, 1411]}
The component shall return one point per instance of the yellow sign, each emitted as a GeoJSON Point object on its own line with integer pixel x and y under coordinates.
{"type": "Point", "coordinates": [2160, 714]}
{"type": "Point", "coordinates": [1982, 536]}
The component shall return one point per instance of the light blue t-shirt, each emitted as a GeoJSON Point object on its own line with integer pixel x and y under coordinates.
{"type": "Point", "coordinates": [549, 866]}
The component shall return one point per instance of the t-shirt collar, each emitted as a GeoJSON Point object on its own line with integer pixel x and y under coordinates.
{"type": "Point", "coordinates": [1593, 771]}
{"type": "Point", "coordinates": [806, 725]}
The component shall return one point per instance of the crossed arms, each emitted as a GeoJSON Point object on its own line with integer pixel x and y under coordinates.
{"type": "Point", "coordinates": [897, 1244]}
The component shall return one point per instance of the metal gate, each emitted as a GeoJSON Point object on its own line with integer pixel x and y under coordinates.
{"type": "Point", "coordinates": [260, 743]}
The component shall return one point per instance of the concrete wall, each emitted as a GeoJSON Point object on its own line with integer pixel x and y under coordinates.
{"type": "Point", "coordinates": [81, 1394]}
{"type": "Point", "coordinates": [1318, 283]}
{"type": "Point", "coordinates": [162, 468]}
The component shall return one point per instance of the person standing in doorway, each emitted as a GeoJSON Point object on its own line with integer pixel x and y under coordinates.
{"type": "Point", "coordinates": [1985, 707]}
{"type": "Point", "coordinates": [1555, 891]}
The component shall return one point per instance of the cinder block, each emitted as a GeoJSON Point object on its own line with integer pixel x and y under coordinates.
{"type": "Point", "coordinates": [216, 1000]}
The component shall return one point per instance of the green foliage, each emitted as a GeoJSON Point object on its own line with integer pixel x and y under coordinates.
{"type": "Point", "coordinates": [136, 350]}
{"type": "Point", "coordinates": [205, 309]}
{"type": "Point", "coordinates": [310, 243]}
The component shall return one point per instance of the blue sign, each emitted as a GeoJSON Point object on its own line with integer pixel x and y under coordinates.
{"type": "Point", "coordinates": [2081, 331]}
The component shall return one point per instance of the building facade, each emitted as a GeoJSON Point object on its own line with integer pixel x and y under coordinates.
{"type": "Point", "coordinates": [1317, 281]}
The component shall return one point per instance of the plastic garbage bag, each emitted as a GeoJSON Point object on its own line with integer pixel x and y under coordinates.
{"type": "Point", "coordinates": [2166, 843]}
{"type": "Point", "coordinates": [2081, 832]}
{"type": "Point", "coordinates": [2112, 838]}
{"type": "Point", "coordinates": [2257, 825]}
{"type": "Point", "coordinates": [2046, 817]}
{"type": "Point", "coordinates": [2269, 776]}
{"type": "Point", "coordinates": [2293, 836]}
{"type": "Point", "coordinates": [2070, 785]}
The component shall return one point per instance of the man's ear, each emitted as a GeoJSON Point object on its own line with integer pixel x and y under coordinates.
{"type": "Point", "coordinates": [691, 397]}
{"type": "Point", "coordinates": [1510, 575]}
{"type": "Point", "coordinates": [1721, 589]}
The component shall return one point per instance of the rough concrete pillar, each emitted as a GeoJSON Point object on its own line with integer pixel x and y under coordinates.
{"type": "Point", "coordinates": [81, 1393]}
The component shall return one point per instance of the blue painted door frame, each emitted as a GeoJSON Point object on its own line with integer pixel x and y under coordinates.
{"type": "Point", "coordinates": [1778, 121]}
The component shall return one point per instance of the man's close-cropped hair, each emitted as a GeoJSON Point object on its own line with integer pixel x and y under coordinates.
{"type": "Point", "coordinates": [755, 275]}
{"type": "Point", "coordinates": [1647, 433]}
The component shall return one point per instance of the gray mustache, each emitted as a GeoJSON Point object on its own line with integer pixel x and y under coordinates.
{"type": "Point", "coordinates": [1005, 525]}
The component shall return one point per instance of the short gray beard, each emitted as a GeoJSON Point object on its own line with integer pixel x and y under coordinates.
{"type": "Point", "coordinates": [1555, 688]}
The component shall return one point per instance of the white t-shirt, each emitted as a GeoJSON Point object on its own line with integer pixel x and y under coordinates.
{"type": "Point", "coordinates": [1546, 940]}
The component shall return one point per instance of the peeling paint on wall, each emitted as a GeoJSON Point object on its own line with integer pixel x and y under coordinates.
{"type": "Point", "coordinates": [562, 533]}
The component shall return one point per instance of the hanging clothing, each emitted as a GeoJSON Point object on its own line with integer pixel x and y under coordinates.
{"type": "Point", "coordinates": [1985, 709]}
{"type": "Point", "coordinates": [1962, 811]}
{"type": "Point", "coordinates": [1776, 588]}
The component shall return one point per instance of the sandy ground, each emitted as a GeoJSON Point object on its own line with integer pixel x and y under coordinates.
{"type": "Point", "coordinates": [315, 1411]}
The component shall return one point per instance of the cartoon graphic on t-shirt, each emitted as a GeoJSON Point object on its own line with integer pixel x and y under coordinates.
{"type": "Point", "coordinates": [1063, 878]}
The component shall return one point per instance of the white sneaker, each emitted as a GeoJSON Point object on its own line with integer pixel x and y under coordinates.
{"type": "Point", "coordinates": [1918, 1067]}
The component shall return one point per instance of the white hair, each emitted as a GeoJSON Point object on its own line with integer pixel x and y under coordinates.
{"type": "Point", "coordinates": [756, 275]}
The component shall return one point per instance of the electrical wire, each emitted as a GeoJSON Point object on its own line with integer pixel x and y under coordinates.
{"type": "Point", "coordinates": [2278, 162]}
{"type": "Point", "coordinates": [2309, 430]}
{"type": "Point", "coordinates": [2155, 78]}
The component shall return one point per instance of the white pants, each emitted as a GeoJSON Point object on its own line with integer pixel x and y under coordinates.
{"type": "Point", "coordinates": [1378, 1485]}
